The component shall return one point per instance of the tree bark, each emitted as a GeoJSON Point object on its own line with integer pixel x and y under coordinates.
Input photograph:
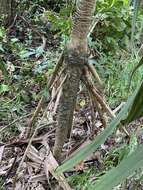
{"type": "Point", "coordinates": [7, 9]}
{"type": "Point", "coordinates": [75, 59]}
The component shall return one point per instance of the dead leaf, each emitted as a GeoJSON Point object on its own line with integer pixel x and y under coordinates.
{"type": "Point", "coordinates": [50, 164]}
{"type": "Point", "coordinates": [33, 155]}
{"type": "Point", "coordinates": [38, 178]}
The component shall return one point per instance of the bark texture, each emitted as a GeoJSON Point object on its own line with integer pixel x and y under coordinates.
{"type": "Point", "coordinates": [7, 8]}
{"type": "Point", "coordinates": [82, 19]}
{"type": "Point", "coordinates": [75, 58]}
{"type": "Point", "coordinates": [74, 63]}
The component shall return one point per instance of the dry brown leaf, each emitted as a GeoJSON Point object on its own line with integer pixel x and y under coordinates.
{"type": "Point", "coordinates": [50, 164]}
{"type": "Point", "coordinates": [33, 155]}
{"type": "Point", "coordinates": [18, 186]}
{"type": "Point", "coordinates": [40, 187]}
{"type": "Point", "coordinates": [34, 165]}
{"type": "Point", "coordinates": [38, 178]}
{"type": "Point", "coordinates": [2, 172]}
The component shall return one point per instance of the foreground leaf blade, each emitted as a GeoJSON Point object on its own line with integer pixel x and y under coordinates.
{"type": "Point", "coordinates": [136, 110]}
{"type": "Point", "coordinates": [121, 172]}
{"type": "Point", "coordinates": [82, 154]}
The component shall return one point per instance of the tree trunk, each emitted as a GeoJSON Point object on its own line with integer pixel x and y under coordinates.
{"type": "Point", "coordinates": [75, 59]}
{"type": "Point", "coordinates": [7, 9]}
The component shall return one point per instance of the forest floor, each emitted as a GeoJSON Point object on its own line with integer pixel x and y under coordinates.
{"type": "Point", "coordinates": [23, 81]}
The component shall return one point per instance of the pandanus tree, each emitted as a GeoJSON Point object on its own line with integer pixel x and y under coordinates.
{"type": "Point", "coordinates": [74, 62]}
{"type": "Point", "coordinates": [76, 69]}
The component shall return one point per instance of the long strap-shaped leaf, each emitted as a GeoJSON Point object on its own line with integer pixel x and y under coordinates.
{"type": "Point", "coordinates": [121, 172]}
{"type": "Point", "coordinates": [136, 7]}
{"type": "Point", "coordinates": [82, 154]}
{"type": "Point", "coordinates": [135, 69]}
{"type": "Point", "coordinates": [136, 110]}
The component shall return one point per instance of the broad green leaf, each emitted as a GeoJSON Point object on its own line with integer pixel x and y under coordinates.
{"type": "Point", "coordinates": [100, 139]}
{"type": "Point", "coordinates": [4, 88]}
{"type": "Point", "coordinates": [117, 175]}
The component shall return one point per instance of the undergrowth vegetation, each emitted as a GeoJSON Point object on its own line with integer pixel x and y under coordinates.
{"type": "Point", "coordinates": [26, 65]}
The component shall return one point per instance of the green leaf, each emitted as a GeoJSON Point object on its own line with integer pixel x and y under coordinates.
{"type": "Point", "coordinates": [136, 110]}
{"type": "Point", "coordinates": [4, 88]}
{"type": "Point", "coordinates": [136, 8]}
{"type": "Point", "coordinates": [135, 69]}
{"type": "Point", "coordinates": [2, 32]}
{"type": "Point", "coordinates": [26, 54]}
{"type": "Point", "coordinates": [14, 40]}
{"type": "Point", "coordinates": [121, 172]}
{"type": "Point", "coordinates": [133, 143]}
{"type": "Point", "coordinates": [1, 48]}
{"type": "Point", "coordinates": [100, 139]}
{"type": "Point", "coordinates": [3, 68]}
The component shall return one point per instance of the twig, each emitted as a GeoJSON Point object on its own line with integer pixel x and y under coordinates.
{"type": "Point", "coordinates": [32, 120]}
{"type": "Point", "coordinates": [57, 101]}
{"type": "Point", "coordinates": [58, 89]}
{"type": "Point", "coordinates": [56, 69]}
{"type": "Point", "coordinates": [94, 23]}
